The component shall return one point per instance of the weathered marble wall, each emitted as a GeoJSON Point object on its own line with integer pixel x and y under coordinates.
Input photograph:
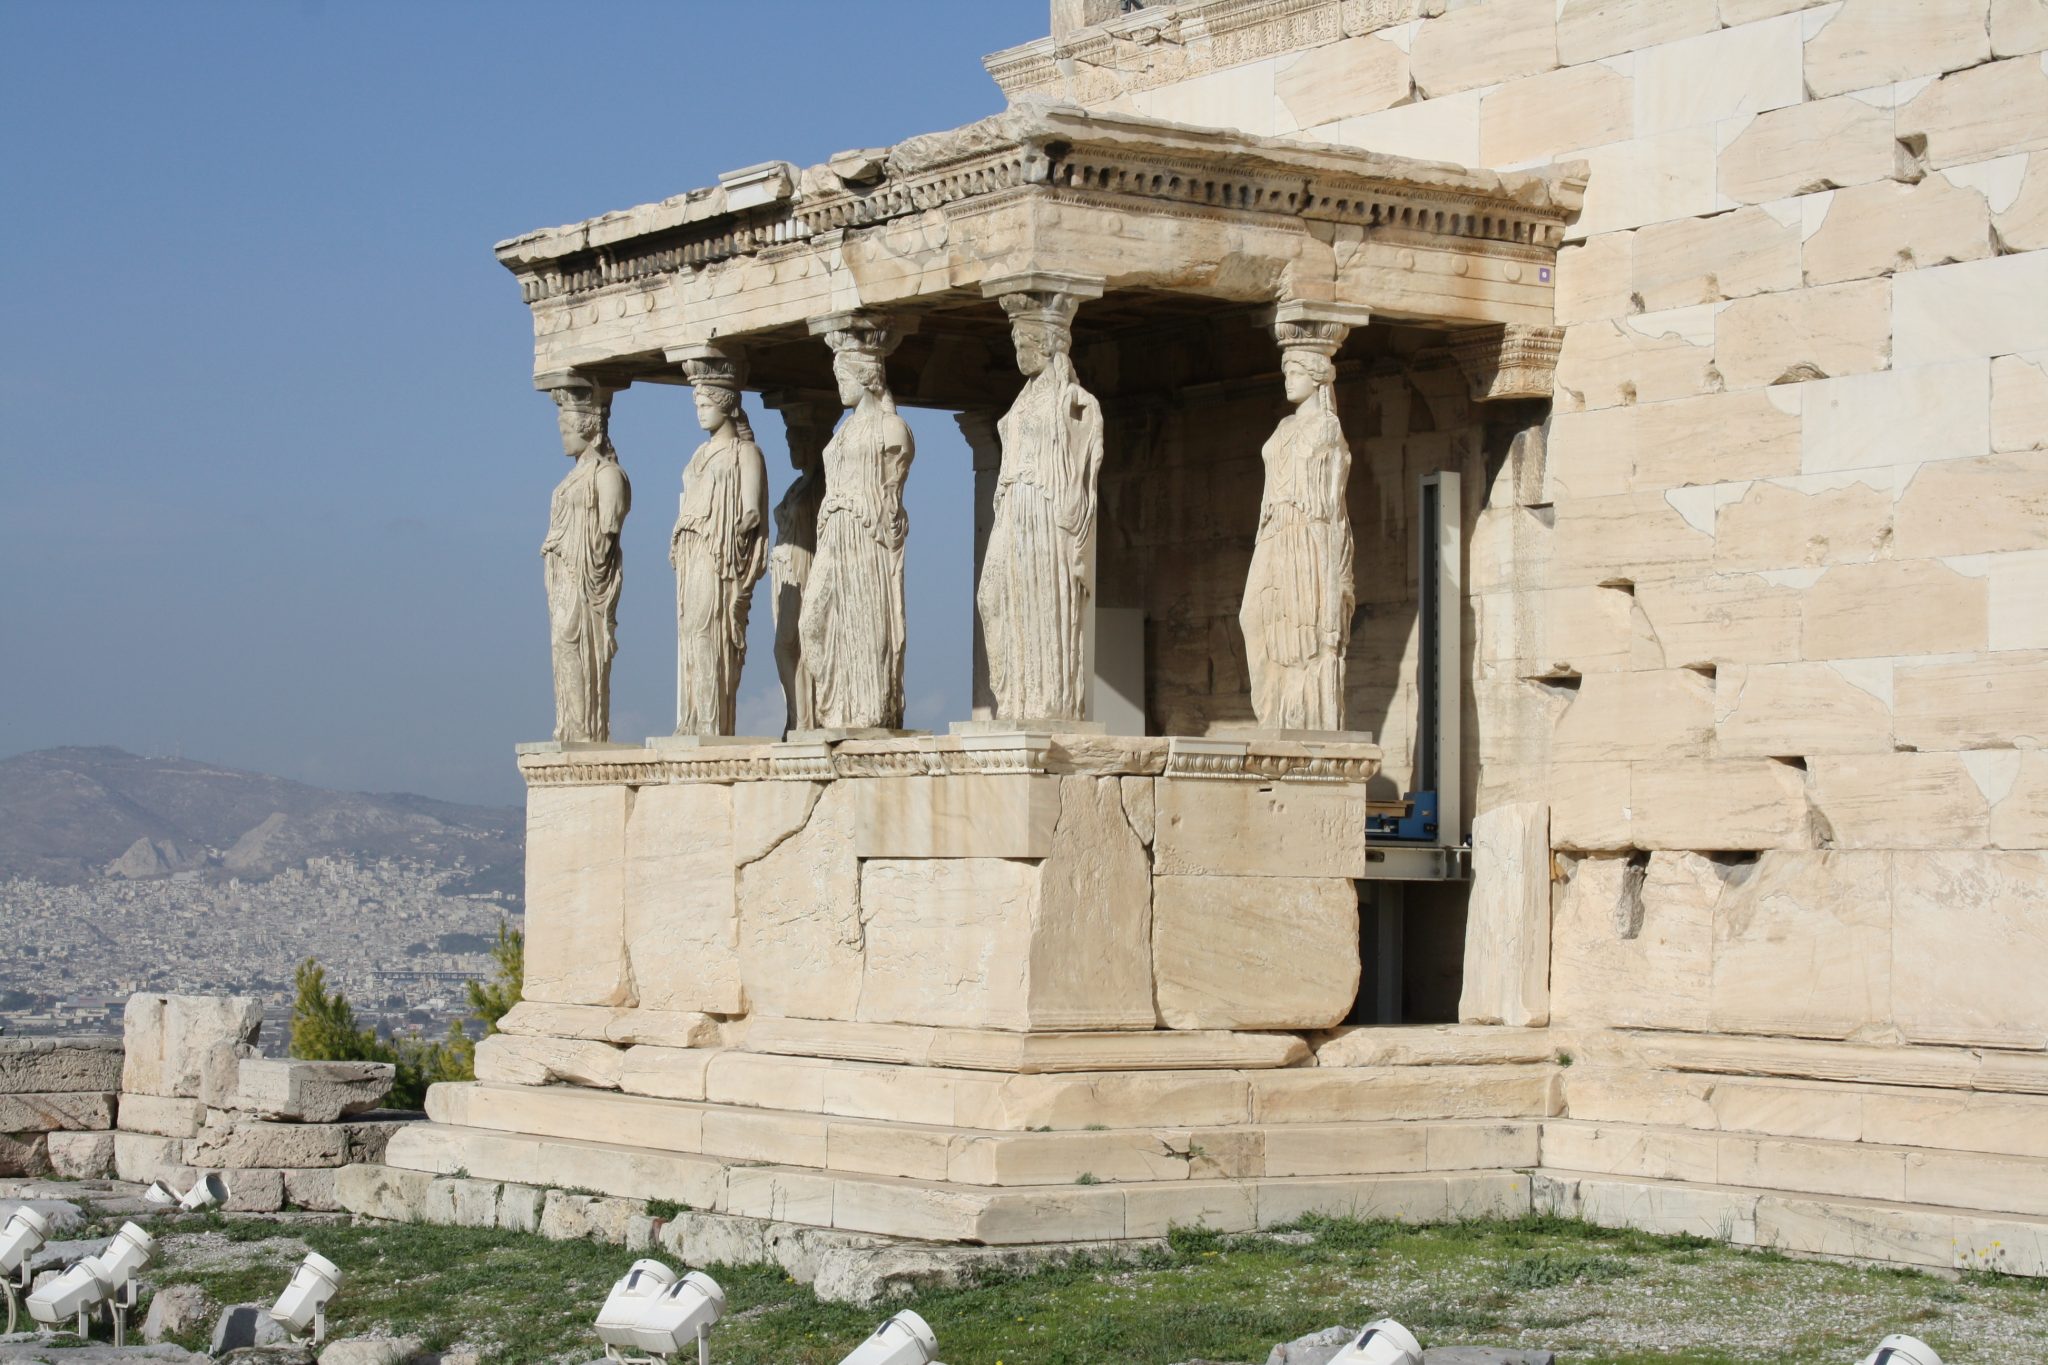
{"type": "Point", "coordinates": [1762, 618]}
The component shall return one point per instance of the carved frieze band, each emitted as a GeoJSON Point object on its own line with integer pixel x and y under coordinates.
{"type": "Point", "coordinates": [1145, 182]}
{"type": "Point", "coordinates": [1021, 753]}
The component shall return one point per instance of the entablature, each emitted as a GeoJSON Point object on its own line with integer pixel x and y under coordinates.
{"type": "Point", "coordinates": [1150, 208]}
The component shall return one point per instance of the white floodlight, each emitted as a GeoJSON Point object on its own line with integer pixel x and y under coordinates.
{"type": "Point", "coordinates": [619, 1319]}
{"type": "Point", "coordinates": [684, 1312]}
{"type": "Point", "coordinates": [903, 1340]}
{"type": "Point", "coordinates": [160, 1194]}
{"type": "Point", "coordinates": [20, 1239]}
{"type": "Point", "coordinates": [124, 1258]}
{"type": "Point", "coordinates": [1385, 1342]}
{"type": "Point", "coordinates": [71, 1295]}
{"type": "Point", "coordinates": [1899, 1349]}
{"type": "Point", "coordinates": [206, 1191]}
{"type": "Point", "coordinates": [303, 1305]}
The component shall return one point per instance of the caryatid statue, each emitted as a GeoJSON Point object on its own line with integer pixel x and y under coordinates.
{"type": "Point", "coordinates": [1297, 605]}
{"type": "Point", "coordinates": [1038, 575]}
{"type": "Point", "coordinates": [719, 546]}
{"type": "Point", "coordinates": [807, 422]}
{"type": "Point", "coordinates": [580, 560]}
{"type": "Point", "coordinates": [851, 632]}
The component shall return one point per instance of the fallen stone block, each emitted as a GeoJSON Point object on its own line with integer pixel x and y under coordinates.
{"type": "Point", "coordinates": [61, 1111]}
{"type": "Point", "coordinates": [175, 1310]}
{"type": "Point", "coordinates": [311, 1092]}
{"type": "Point", "coordinates": [49, 1065]}
{"type": "Point", "coordinates": [245, 1324]}
{"type": "Point", "coordinates": [170, 1040]}
{"type": "Point", "coordinates": [82, 1156]}
{"type": "Point", "coordinates": [371, 1351]}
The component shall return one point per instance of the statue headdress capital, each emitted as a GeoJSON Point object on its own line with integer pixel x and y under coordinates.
{"type": "Point", "coordinates": [1048, 298]}
{"type": "Point", "coordinates": [1319, 328]}
{"type": "Point", "coordinates": [573, 392]}
{"type": "Point", "coordinates": [709, 365]}
{"type": "Point", "coordinates": [874, 335]}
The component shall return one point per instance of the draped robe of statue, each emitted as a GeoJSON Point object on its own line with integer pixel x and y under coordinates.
{"type": "Point", "coordinates": [1298, 598]}
{"type": "Point", "coordinates": [1035, 576]}
{"type": "Point", "coordinates": [852, 629]}
{"type": "Point", "coordinates": [719, 549]}
{"type": "Point", "coordinates": [581, 563]}
{"type": "Point", "coordinates": [789, 567]}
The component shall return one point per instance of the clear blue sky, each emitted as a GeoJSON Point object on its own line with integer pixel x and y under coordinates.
{"type": "Point", "coordinates": [273, 475]}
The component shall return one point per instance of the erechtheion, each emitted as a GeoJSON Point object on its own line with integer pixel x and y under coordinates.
{"type": "Point", "coordinates": [1512, 655]}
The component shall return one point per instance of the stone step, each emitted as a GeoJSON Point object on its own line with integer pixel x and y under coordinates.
{"type": "Point", "coordinates": [1865, 1229]}
{"type": "Point", "coordinates": [1436, 1045]}
{"type": "Point", "coordinates": [1943, 1068]}
{"type": "Point", "coordinates": [963, 1098]}
{"type": "Point", "coordinates": [1022, 1053]}
{"type": "Point", "coordinates": [1898, 1116]}
{"type": "Point", "coordinates": [988, 1157]}
{"type": "Point", "coordinates": [1855, 1170]}
{"type": "Point", "coordinates": [923, 1209]}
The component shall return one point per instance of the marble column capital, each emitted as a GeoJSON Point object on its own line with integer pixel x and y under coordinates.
{"type": "Point", "coordinates": [1313, 325]}
{"type": "Point", "coordinates": [717, 363]}
{"type": "Point", "coordinates": [870, 333]}
{"type": "Point", "coordinates": [1514, 361]}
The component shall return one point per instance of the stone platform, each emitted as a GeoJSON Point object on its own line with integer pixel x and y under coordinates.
{"type": "Point", "coordinates": [1876, 1153]}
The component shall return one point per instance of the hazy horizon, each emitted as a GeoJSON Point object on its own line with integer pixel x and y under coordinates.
{"type": "Point", "coordinates": [277, 475]}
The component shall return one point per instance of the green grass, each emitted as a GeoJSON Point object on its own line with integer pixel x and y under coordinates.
{"type": "Point", "coordinates": [1599, 1296]}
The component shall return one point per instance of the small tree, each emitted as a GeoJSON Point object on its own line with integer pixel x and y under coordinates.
{"type": "Point", "coordinates": [324, 1026]}
{"type": "Point", "coordinates": [490, 1000]}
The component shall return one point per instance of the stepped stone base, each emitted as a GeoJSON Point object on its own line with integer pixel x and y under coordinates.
{"type": "Point", "coordinates": [1827, 1149]}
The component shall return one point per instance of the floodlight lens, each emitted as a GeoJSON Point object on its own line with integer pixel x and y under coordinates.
{"type": "Point", "coordinates": [25, 1232]}
{"type": "Point", "coordinates": [673, 1318]}
{"type": "Point", "coordinates": [620, 1317]}
{"type": "Point", "coordinates": [206, 1191]}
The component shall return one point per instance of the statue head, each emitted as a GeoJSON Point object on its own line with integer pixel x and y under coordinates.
{"type": "Point", "coordinates": [716, 376]}
{"type": "Point", "coordinates": [859, 375]}
{"type": "Point", "coordinates": [583, 411]}
{"type": "Point", "coordinates": [1041, 327]}
{"type": "Point", "coordinates": [1306, 370]}
{"type": "Point", "coordinates": [715, 405]}
{"type": "Point", "coordinates": [860, 342]}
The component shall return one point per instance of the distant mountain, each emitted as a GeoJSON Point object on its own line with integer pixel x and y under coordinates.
{"type": "Point", "coordinates": [80, 814]}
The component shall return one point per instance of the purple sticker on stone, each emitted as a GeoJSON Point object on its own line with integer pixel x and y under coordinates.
{"type": "Point", "coordinates": [1543, 273]}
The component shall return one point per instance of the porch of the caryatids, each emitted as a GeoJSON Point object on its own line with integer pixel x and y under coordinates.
{"type": "Point", "coordinates": [1298, 597]}
{"type": "Point", "coordinates": [719, 547]}
{"type": "Point", "coordinates": [807, 420]}
{"type": "Point", "coordinates": [851, 631]}
{"type": "Point", "coordinates": [580, 560]}
{"type": "Point", "coordinates": [1037, 580]}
